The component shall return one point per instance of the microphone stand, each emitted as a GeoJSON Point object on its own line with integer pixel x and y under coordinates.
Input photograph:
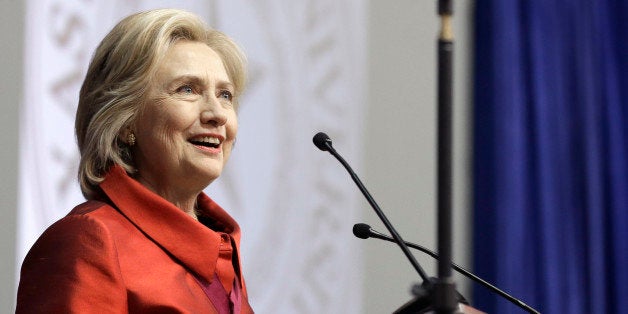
{"type": "Point", "coordinates": [445, 296]}
{"type": "Point", "coordinates": [444, 289]}
{"type": "Point", "coordinates": [442, 293]}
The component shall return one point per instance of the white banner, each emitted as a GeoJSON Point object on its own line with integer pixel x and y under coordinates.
{"type": "Point", "coordinates": [295, 204]}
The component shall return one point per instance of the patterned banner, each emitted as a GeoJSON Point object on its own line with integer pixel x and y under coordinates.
{"type": "Point", "coordinates": [294, 203]}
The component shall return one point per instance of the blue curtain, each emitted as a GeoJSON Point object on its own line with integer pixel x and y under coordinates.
{"type": "Point", "coordinates": [551, 154]}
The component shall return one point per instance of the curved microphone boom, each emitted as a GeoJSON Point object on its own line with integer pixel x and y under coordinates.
{"type": "Point", "coordinates": [323, 142]}
{"type": "Point", "coordinates": [364, 231]}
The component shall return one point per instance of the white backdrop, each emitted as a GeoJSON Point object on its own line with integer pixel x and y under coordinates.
{"type": "Point", "coordinates": [307, 73]}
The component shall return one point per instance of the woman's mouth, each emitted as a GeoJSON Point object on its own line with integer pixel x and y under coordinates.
{"type": "Point", "coordinates": [206, 142]}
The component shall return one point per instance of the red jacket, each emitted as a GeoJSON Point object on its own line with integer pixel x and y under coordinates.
{"type": "Point", "coordinates": [134, 253]}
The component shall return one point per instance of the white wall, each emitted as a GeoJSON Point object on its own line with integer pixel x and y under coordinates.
{"type": "Point", "coordinates": [399, 164]}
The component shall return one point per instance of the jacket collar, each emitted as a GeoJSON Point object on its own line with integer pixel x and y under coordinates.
{"type": "Point", "coordinates": [189, 241]}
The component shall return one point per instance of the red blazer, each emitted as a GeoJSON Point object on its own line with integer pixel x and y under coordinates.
{"type": "Point", "coordinates": [134, 253]}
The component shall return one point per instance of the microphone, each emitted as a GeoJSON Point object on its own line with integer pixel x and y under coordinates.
{"type": "Point", "coordinates": [323, 142]}
{"type": "Point", "coordinates": [364, 231]}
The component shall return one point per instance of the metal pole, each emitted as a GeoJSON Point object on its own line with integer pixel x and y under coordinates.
{"type": "Point", "coordinates": [445, 289]}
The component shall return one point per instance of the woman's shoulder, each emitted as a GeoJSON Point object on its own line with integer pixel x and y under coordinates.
{"type": "Point", "coordinates": [91, 230]}
{"type": "Point", "coordinates": [89, 219]}
{"type": "Point", "coordinates": [93, 211]}
{"type": "Point", "coordinates": [77, 256]}
{"type": "Point", "coordinates": [89, 207]}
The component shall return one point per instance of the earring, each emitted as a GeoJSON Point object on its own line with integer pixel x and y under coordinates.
{"type": "Point", "coordinates": [130, 139]}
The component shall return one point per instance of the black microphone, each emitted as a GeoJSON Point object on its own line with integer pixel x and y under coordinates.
{"type": "Point", "coordinates": [364, 231]}
{"type": "Point", "coordinates": [323, 142]}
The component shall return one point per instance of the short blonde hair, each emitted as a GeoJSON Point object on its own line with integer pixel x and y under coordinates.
{"type": "Point", "coordinates": [117, 79]}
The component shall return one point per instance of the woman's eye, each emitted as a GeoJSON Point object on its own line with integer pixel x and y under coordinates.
{"type": "Point", "coordinates": [226, 95]}
{"type": "Point", "coordinates": [185, 89]}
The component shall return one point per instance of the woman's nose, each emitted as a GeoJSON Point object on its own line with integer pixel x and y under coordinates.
{"type": "Point", "coordinates": [213, 112]}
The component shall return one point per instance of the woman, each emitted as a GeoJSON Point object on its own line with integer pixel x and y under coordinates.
{"type": "Point", "coordinates": [155, 125]}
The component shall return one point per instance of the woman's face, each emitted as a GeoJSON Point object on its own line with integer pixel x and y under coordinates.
{"type": "Point", "coordinates": [188, 125]}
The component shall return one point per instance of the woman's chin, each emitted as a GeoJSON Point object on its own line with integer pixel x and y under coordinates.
{"type": "Point", "coordinates": [210, 175]}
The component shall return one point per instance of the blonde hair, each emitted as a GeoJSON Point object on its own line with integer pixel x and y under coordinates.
{"type": "Point", "coordinates": [117, 79]}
